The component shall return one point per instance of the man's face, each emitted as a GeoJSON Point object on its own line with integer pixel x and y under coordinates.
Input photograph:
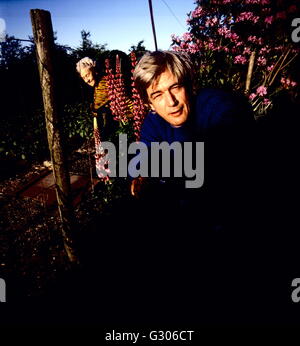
{"type": "Point", "coordinates": [87, 75]}
{"type": "Point", "coordinates": [169, 99]}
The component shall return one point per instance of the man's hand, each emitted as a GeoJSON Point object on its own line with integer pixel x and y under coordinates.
{"type": "Point", "coordinates": [137, 186]}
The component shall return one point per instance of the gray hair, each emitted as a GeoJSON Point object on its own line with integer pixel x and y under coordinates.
{"type": "Point", "coordinates": [152, 64]}
{"type": "Point", "coordinates": [84, 63]}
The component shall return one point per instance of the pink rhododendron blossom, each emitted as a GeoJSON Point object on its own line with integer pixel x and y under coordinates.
{"type": "Point", "coordinates": [247, 16]}
{"type": "Point", "coordinates": [262, 2]}
{"type": "Point", "coordinates": [252, 39]}
{"type": "Point", "coordinates": [261, 91]}
{"type": "Point", "coordinates": [237, 29]}
{"type": "Point", "coordinates": [233, 37]}
{"type": "Point", "coordinates": [211, 22]}
{"type": "Point", "coordinates": [287, 83]}
{"type": "Point", "coordinates": [264, 50]}
{"type": "Point", "coordinates": [261, 61]}
{"type": "Point", "coordinates": [224, 31]}
{"type": "Point", "coordinates": [175, 39]}
{"type": "Point", "coordinates": [187, 36]}
{"type": "Point", "coordinates": [239, 59]}
{"type": "Point", "coordinates": [279, 47]}
{"type": "Point", "coordinates": [266, 101]}
{"type": "Point", "coordinates": [247, 50]}
{"type": "Point", "coordinates": [193, 48]}
{"type": "Point", "coordinates": [255, 39]}
{"type": "Point", "coordinates": [198, 12]}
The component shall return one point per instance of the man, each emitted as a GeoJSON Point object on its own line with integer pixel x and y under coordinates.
{"type": "Point", "coordinates": [223, 120]}
{"type": "Point", "coordinates": [196, 233]}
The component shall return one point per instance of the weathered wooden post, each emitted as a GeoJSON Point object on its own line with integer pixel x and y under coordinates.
{"type": "Point", "coordinates": [44, 40]}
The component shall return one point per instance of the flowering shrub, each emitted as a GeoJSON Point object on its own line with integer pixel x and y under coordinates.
{"type": "Point", "coordinates": [245, 45]}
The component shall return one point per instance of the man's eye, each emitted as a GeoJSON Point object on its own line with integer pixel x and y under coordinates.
{"type": "Point", "coordinates": [156, 96]}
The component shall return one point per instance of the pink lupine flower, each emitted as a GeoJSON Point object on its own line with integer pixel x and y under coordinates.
{"type": "Point", "coordinates": [269, 19]}
{"type": "Point", "coordinates": [270, 68]}
{"type": "Point", "coordinates": [261, 91]}
{"type": "Point", "coordinates": [116, 92]}
{"type": "Point", "coordinates": [139, 109]}
{"type": "Point", "coordinates": [100, 156]}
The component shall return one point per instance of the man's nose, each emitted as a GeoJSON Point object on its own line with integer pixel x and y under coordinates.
{"type": "Point", "coordinates": [171, 99]}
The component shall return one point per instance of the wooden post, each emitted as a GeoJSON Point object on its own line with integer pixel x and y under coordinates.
{"type": "Point", "coordinates": [44, 40]}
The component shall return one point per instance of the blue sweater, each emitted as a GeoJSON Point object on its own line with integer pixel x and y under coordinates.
{"type": "Point", "coordinates": [224, 121]}
{"type": "Point", "coordinates": [215, 114]}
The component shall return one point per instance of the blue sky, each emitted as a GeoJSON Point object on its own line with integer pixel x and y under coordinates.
{"type": "Point", "coordinates": [119, 23]}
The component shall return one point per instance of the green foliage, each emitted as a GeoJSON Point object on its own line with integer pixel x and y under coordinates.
{"type": "Point", "coordinates": [25, 138]}
{"type": "Point", "coordinates": [78, 121]}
